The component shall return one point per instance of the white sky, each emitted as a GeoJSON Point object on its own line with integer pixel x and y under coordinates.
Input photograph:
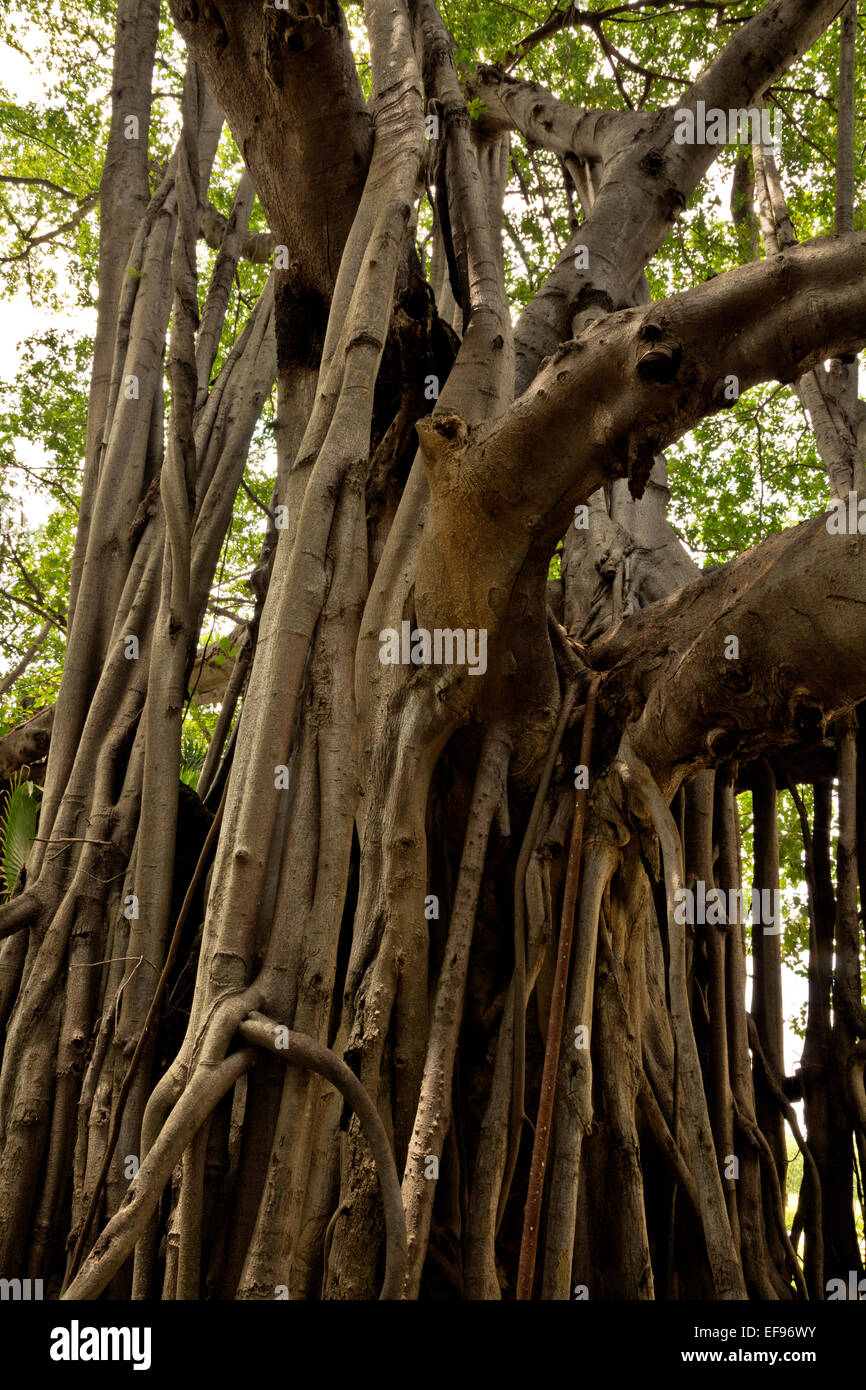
{"type": "Point", "coordinates": [24, 78]}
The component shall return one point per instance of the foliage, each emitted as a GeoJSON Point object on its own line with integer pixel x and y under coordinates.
{"type": "Point", "coordinates": [19, 812]}
{"type": "Point", "coordinates": [192, 756]}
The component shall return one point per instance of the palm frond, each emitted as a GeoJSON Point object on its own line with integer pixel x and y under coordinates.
{"type": "Point", "coordinates": [19, 812]}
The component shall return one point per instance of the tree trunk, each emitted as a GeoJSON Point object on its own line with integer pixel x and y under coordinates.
{"type": "Point", "coordinates": [370, 880]}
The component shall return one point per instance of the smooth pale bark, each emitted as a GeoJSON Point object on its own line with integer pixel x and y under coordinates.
{"type": "Point", "coordinates": [645, 183]}
{"type": "Point", "coordinates": [633, 368]}
{"type": "Point", "coordinates": [123, 197]}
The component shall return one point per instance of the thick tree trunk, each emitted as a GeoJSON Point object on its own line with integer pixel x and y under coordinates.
{"type": "Point", "coordinates": [369, 882]}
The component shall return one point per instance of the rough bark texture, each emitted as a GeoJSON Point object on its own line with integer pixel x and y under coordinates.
{"type": "Point", "coordinates": [378, 850]}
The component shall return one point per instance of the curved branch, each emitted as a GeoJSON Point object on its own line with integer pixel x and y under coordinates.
{"type": "Point", "coordinates": [18, 913]}
{"type": "Point", "coordinates": [667, 365]}
{"type": "Point", "coordinates": [642, 378]}
{"type": "Point", "coordinates": [257, 247]}
{"type": "Point", "coordinates": [27, 742]}
{"type": "Point", "coordinates": [545, 120]}
{"type": "Point", "coordinates": [650, 179]}
{"type": "Point", "coordinates": [117, 1240]}
{"type": "Point", "coordinates": [795, 605]}
{"type": "Point", "coordinates": [297, 1049]}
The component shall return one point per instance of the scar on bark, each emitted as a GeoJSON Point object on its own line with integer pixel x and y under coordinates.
{"type": "Point", "coordinates": [300, 319]}
{"type": "Point", "coordinates": [443, 440]}
{"type": "Point", "coordinates": [295, 30]}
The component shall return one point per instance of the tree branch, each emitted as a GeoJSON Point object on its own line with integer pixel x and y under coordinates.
{"type": "Point", "coordinates": [26, 743]}
{"type": "Point", "coordinates": [634, 382]}
{"type": "Point", "coordinates": [647, 183]}
{"type": "Point", "coordinates": [21, 666]}
{"type": "Point", "coordinates": [795, 605]}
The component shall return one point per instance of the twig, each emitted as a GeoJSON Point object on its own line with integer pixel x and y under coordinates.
{"type": "Point", "coordinates": [8, 681]}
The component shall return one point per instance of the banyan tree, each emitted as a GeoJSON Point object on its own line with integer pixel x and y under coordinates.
{"type": "Point", "coordinates": [399, 999]}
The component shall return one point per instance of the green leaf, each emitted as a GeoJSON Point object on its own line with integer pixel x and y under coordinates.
{"type": "Point", "coordinates": [17, 830]}
{"type": "Point", "coordinates": [192, 755]}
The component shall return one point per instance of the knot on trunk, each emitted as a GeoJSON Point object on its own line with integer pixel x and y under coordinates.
{"type": "Point", "coordinates": [294, 28]}
{"type": "Point", "coordinates": [807, 716]}
{"type": "Point", "coordinates": [443, 439]}
{"type": "Point", "coordinates": [660, 363]}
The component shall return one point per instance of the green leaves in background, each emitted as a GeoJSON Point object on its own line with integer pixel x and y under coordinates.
{"type": "Point", "coordinates": [19, 812]}
{"type": "Point", "coordinates": [192, 756]}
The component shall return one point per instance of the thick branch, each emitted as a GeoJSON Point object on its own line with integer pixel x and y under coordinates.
{"type": "Point", "coordinates": [26, 743]}
{"type": "Point", "coordinates": [545, 120]}
{"type": "Point", "coordinates": [257, 247]}
{"type": "Point", "coordinates": [309, 185]}
{"type": "Point", "coordinates": [606, 404]}
{"type": "Point", "coordinates": [796, 606]}
{"type": "Point", "coordinates": [648, 182]}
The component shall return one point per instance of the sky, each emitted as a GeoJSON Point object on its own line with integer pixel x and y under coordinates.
{"type": "Point", "coordinates": [22, 77]}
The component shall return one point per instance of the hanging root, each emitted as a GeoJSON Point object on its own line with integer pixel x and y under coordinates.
{"type": "Point", "coordinates": [520, 994]}
{"type": "Point", "coordinates": [532, 1216]}
{"type": "Point", "coordinates": [433, 1116]}
{"type": "Point", "coordinates": [206, 1089]}
{"type": "Point", "coordinates": [116, 1242]}
{"type": "Point", "coordinates": [171, 956]}
{"type": "Point", "coordinates": [721, 1250]}
{"type": "Point", "coordinates": [299, 1050]}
